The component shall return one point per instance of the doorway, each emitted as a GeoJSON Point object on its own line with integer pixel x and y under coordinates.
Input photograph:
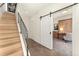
{"type": "Point", "coordinates": [62, 32]}
{"type": "Point", "coordinates": [11, 7]}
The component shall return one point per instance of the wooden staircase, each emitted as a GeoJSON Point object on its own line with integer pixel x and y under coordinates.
{"type": "Point", "coordinates": [10, 44]}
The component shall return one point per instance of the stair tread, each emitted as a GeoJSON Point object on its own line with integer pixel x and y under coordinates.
{"type": "Point", "coordinates": [6, 37]}
{"type": "Point", "coordinates": [8, 42]}
{"type": "Point", "coordinates": [8, 27]}
{"type": "Point", "coordinates": [17, 53]}
{"type": "Point", "coordinates": [7, 24]}
{"type": "Point", "coordinates": [10, 49]}
{"type": "Point", "coordinates": [8, 31]}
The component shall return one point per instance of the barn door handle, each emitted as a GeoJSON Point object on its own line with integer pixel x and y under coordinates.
{"type": "Point", "coordinates": [50, 32]}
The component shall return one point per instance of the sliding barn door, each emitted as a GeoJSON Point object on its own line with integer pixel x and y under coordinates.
{"type": "Point", "coordinates": [46, 34]}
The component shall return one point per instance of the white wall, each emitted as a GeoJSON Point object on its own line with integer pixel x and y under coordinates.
{"type": "Point", "coordinates": [35, 28]}
{"type": "Point", "coordinates": [22, 11]}
{"type": "Point", "coordinates": [2, 9]}
{"type": "Point", "coordinates": [75, 30]}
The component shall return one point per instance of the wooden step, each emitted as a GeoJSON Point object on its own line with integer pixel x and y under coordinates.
{"type": "Point", "coordinates": [10, 49]}
{"type": "Point", "coordinates": [8, 28]}
{"type": "Point", "coordinates": [8, 17]}
{"type": "Point", "coordinates": [13, 17]}
{"type": "Point", "coordinates": [6, 36]}
{"type": "Point", "coordinates": [17, 53]}
{"type": "Point", "coordinates": [8, 31]}
{"type": "Point", "coordinates": [7, 42]}
{"type": "Point", "coordinates": [7, 24]}
{"type": "Point", "coordinates": [2, 22]}
{"type": "Point", "coordinates": [8, 21]}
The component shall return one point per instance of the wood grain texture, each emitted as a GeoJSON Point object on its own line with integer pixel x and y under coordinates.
{"type": "Point", "coordinates": [10, 44]}
{"type": "Point", "coordinates": [37, 49]}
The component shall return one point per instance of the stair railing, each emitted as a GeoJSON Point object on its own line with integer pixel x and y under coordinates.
{"type": "Point", "coordinates": [24, 32]}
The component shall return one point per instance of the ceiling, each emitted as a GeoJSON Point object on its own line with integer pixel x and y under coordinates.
{"type": "Point", "coordinates": [63, 13]}
{"type": "Point", "coordinates": [33, 8]}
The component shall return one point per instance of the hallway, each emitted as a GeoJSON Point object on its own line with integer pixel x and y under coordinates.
{"type": "Point", "coordinates": [10, 44]}
{"type": "Point", "coordinates": [37, 49]}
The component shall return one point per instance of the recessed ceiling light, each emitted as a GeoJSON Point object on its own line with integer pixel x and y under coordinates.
{"type": "Point", "coordinates": [64, 12]}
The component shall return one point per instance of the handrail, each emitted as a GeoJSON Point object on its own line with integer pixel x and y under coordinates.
{"type": "Point", "coordinates": [24, 32]}
{"type": "Point", "coordinates": [2, 4]}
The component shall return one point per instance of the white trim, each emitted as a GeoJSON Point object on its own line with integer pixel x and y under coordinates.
{"type": "Point", "coordinates": [52, 24]}
{"type": "Point", "coordinates": [6, 6]}
{"type": "Point", "coordinates": [22, 42]}
{"type": "Point", "coordinates": [21, 39]}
